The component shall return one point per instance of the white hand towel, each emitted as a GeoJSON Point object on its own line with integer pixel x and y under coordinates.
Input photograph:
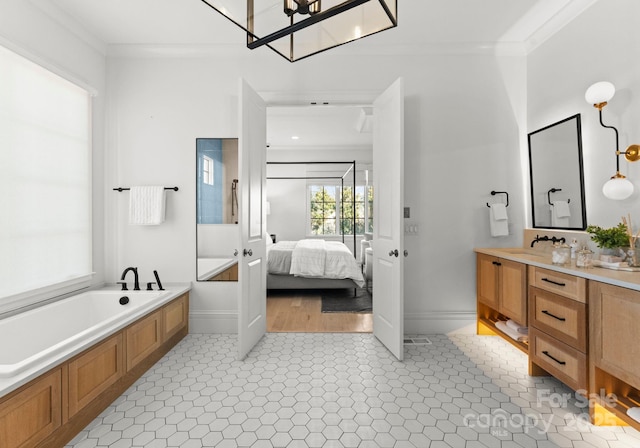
{"type": "Point", "coordinates": [498, 220]}
{"type": "Point", "coordinates": [502, 326]}
{"type": "Point", "coordinates": [517, 327]}
{"type": "Point", "coordinates": [146, 205]}
{"type": "Point", "coordinates": [560, 214]}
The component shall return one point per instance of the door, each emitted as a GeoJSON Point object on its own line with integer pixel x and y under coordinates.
{"type": "Point", "coordinates": [388, 228]}
{"type": "Point", "coordinates": [252, 272]}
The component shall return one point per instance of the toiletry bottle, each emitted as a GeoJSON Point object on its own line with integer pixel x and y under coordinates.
{"type": "Point", "coordinates": [574, 247]}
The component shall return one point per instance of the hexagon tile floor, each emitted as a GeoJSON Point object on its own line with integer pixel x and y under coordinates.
{"type": "Point", "coordinates": [346, 390]}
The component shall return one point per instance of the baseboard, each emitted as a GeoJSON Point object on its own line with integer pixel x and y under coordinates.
{"type": "Point", "coordinates": [435, 322]}
{"type": "Point", "coordinates": [440, 322]}
{"type": "Point", "coordinates": [213, 322]}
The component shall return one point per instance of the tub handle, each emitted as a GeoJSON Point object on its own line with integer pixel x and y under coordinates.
{"type": "Point", "coordinates": [149, 287]}
{"type": "Point", "coordinates": [124, 286]}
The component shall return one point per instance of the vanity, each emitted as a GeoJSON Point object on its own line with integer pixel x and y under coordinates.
{"type": "Point", "coordinates": [583, 324]}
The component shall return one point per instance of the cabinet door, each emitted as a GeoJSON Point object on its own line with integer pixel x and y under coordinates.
{"type": "Point", "coordinates": [143, 338]}
{"type": "Point", "coordinates": [92, 372]}
{"type": "Point", "coordinates": [175, 316]}
{"type": "Point", "coordinates": [487, 280]}
{"type": "Point", "coordinates": [513, 290]}
{"type": "Point", "coordinates": [33, 413]}
{"type": "Point", "coordinates": [615, 313]}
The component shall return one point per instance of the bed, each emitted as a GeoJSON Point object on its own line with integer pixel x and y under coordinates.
{"type": "Point", "coordinates": [311, 264]}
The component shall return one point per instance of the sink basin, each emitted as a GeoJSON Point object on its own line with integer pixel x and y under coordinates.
{"type": "Point", "coordinates": [527, 252]}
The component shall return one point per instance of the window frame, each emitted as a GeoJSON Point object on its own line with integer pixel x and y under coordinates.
{"type": "Point", "coordinates": [339, 211]}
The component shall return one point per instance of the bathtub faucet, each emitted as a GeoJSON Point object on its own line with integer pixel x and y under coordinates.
{"type": "Point", "coordinates": [136, 285]}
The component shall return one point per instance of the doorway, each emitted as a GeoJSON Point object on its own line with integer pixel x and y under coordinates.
{"type": "Point", "coordinates": [316, 136]}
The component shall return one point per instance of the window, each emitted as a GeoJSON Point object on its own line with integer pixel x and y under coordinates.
{"type": "Point", "coordinates": [45, 177]}
{"type": "Point", "coordinates": [207, 170]}
{"type": "Point", "coordinates": [327, 217]}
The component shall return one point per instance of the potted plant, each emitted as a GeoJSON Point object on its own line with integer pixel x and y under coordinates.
{"type": "Point", "coordinates": [611, 239]}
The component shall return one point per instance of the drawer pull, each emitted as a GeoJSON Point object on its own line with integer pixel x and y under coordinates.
{"type": "Point", "coordinates": [497, 263]}
{"type": "Point", "coordinates": [555, 359]}
{"type": "Point", "coordinates": [562, 319]}
{"type": "Point", "coordinates": [555, 283]}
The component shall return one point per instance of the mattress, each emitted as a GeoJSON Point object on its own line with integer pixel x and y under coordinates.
{"type": "Point", "coordinates": [313, 259]}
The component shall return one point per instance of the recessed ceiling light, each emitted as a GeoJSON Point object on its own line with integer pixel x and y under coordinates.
{"type": "Point", "coordinates": [295, 137]}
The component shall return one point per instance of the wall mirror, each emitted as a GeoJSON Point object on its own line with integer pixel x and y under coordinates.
{"type": "Point", "coordinates": [557, 176]}
{"type": "Point", "coordinates": [216, 208]}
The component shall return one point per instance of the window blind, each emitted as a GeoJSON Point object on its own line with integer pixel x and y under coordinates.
{"type": "Point", "coordinates": [45, 178]}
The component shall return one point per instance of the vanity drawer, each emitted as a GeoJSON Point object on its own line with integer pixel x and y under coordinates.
{"type": "Point", "coordinates": [564, 319]}
{"type": "Point", "coordinates": [563, 362]}
{"type": "Point", "coordinates": [559, 283]}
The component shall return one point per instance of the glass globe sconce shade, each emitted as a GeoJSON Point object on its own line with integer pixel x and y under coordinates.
{"type": "Point", "coordinates": [617, 188]}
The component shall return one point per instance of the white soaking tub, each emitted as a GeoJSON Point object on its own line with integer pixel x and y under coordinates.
{"type": "Point", "coordinates": [35, 340]}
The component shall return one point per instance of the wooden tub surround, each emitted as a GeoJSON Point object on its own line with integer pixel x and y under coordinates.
{"type": "Point", "coordinates": [583, 324]}
{"type": "Point", "coordinates": [53, 408]}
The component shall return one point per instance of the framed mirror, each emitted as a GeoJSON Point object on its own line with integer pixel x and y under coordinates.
{"type": "Point", "coordinates": [216, 208]}
{"type": "Point", "coordinates": [557, 176]}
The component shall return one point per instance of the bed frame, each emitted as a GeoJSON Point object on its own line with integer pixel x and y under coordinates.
{"type": "Point", "coordinates": [281, 281]}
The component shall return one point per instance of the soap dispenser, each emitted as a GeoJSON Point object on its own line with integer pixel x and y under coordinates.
{"type": "Point", "coordinates": [574, 247]}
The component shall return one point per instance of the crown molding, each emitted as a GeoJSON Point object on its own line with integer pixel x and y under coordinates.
{"type": "Point", "coordinates": [70, 24]}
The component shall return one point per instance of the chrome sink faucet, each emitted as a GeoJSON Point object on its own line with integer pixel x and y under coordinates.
{"type": "Point", "coordinates": [136, 285]}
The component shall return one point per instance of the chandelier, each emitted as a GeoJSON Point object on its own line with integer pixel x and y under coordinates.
{"type": "Point", "coordinates": [296, 29]}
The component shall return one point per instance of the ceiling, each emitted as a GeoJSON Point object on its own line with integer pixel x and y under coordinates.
{"type": "Point", "coordinates": [427, 24]}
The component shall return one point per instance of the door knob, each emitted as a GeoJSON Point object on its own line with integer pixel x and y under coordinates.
{"type": "Point", "coordinates": [406, 253]}
{"type": "Point", "coordinates": [247, 252]}
{"type": "Point", "coordinates": [393, 253]}
{"type": "Point", "coordinates": [235, 253]}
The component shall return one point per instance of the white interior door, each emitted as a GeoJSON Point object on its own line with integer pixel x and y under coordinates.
{"type": "Point", "coordinates": [388, 229]}
{"type": "Point", "coordinates": [252, 269]}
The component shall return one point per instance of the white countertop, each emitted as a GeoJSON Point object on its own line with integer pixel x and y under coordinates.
{"type": "Point", "coordinates": [210, 267]}
{"type": "Point", "coordinates": [542, 259]}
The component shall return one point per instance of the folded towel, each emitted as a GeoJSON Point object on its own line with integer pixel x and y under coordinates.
{"type": "Point", "coordinates": [517, 327]}
{"type": "Point", "coordinates": [560, 214]}
{"type": "Point", "coordinates": [146, 205]}
{"type": "Point", "coordinates": [562, 209]}
{"type": "Point", "coordinates": [502, 326]}
{"type": "Point", "coordinates": [634, 413]}
{"type": "Point", "coordinates": [498, 220]}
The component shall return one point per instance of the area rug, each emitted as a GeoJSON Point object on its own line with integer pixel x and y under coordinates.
{"type": "Point", "coordinates": [344, 301]}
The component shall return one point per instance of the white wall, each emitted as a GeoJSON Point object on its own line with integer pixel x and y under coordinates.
{"type": "Point", "coordinates": [462, 141]}
{"type": "Point", "coordinates": [597, 46]}
{"type": "Point", "coordinates": [29, 31]}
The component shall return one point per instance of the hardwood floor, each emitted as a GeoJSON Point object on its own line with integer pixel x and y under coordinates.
{"type": "Point", "coordinates": [301, 312]}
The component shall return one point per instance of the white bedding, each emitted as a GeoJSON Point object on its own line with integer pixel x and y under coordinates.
{"type": "Point", "coordinates": [313, 258]}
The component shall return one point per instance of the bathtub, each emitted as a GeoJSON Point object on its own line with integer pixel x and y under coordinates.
{"type": "Point", "coordinates": [35, 340]}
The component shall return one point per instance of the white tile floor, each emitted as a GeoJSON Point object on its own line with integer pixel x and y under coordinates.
{"type": "Point", "coordinates": [346, 390]}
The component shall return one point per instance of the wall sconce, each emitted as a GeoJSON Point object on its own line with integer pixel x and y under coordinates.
{"type": "Point", "coordinates": [618, 187]}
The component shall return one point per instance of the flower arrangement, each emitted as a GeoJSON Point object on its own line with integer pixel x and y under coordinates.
{"type": "Point", "coordinates": [611, 238]}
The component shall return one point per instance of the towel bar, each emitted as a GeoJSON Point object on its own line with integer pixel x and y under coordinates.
{"type": "Point", "coordinates": [493, 193]}
{"type": "Point", "coordinates": [121, 189]}
{"type": "Point", "coordinates": [553, 190]}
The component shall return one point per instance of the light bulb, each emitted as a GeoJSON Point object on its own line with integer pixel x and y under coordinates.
{"type": "Point", "coordinates": [617, 188]}
{"type": "Point", "coordinates": [600, 92]}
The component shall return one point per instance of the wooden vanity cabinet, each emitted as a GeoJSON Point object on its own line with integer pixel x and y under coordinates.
{"type": "Point", "coordinates": [501, 286]}
{"type": "Point", "coordinates": [614, 348]}
{"type": "Point", "coordinates": [558, 324]}
{"type": "Point", "coordinates": [501, 293]}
